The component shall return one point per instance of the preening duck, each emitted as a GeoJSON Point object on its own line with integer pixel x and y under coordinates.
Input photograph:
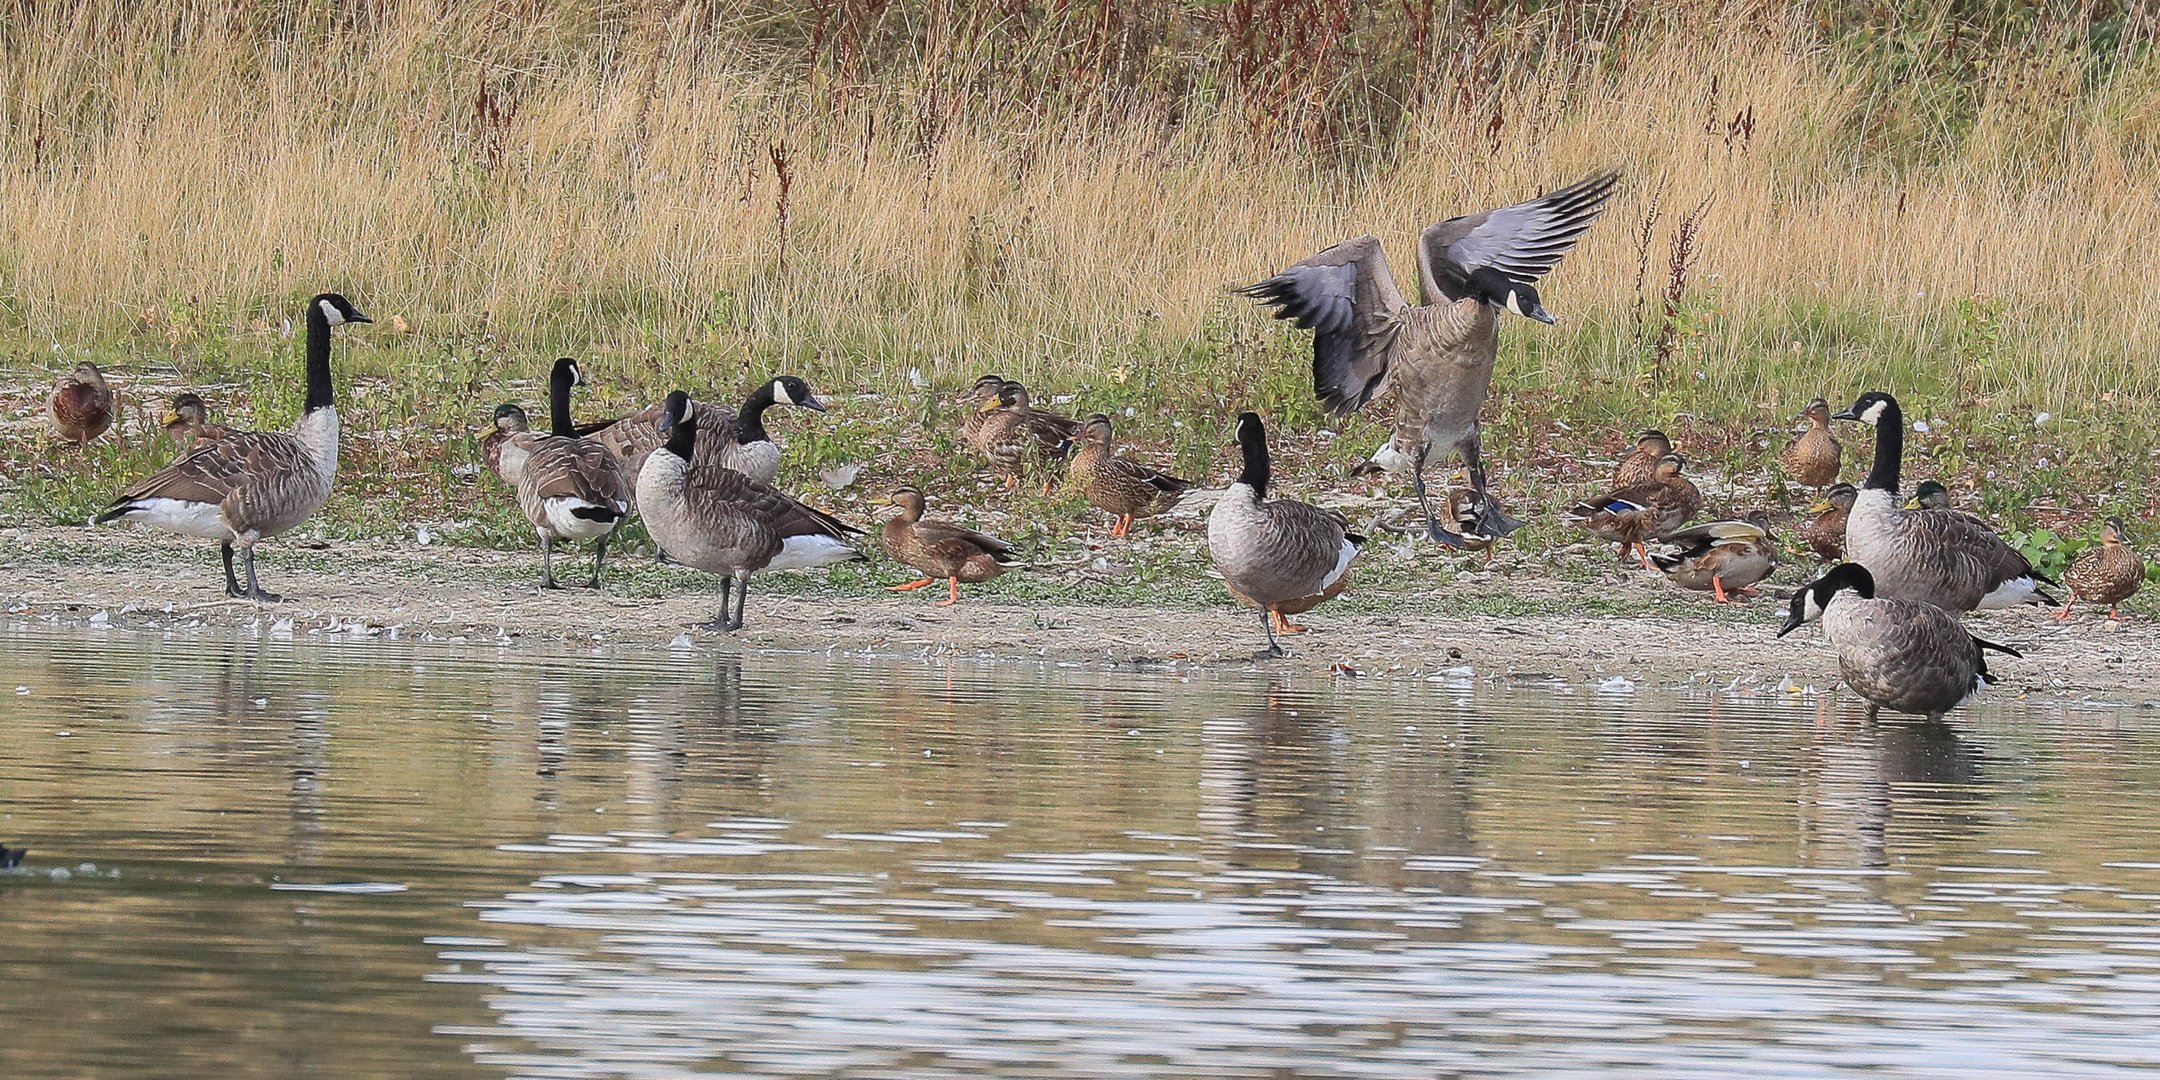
{"type": "Point", "coordinates": [81, 405]}
{"type": "Point", "coordinates": [1275, 553]}
{"type": "Point", "coordinates": [1903, 655]}
{"type": "Point", "coordinates": [2109, 573]}
{"type": "Point", "coordinates": [253, 485]}
{"type": "Point", "coordinates": [1813, 458]}
{"type": "Point", "coordinates": [1719, 556]}
{"type": "Point", "coordinates": [1633, 515]}
{"type": "Point", "coordinates": [726, 439]}
{"type": "Point", "coordinates": [1120, 485]}
{"type": "Point", "coordinates": [1950, 560]}
{"type": "Point", "coordinates": [1437, 355]}
{"type": "Point", "coordinates": [570, 488]}
{"type": "Point", "coordinates": [941, 549]}
{"type": "Point", "coordinates": [722, 522]}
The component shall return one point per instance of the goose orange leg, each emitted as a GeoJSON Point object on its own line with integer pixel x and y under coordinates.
{"type": "Point", "coordinates": [953, 589]}
{"type": "Point", "coordinates": [910, 586]}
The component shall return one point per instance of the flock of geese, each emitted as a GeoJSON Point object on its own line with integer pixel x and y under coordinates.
{"type": "Point", "coordinates": [701, 474]}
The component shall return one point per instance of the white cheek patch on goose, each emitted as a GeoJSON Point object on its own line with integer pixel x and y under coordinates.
{"type": "Point", "coordinates": [1812, 610]}
{"type": "Point", "coordinates": [780, 393]}
{"type": "Point", "coordinates": [1514, 302]}
{"type": "Point", "coordinates": [1874, 412]}
{"type": "Point", "coordinates": [330, 312]}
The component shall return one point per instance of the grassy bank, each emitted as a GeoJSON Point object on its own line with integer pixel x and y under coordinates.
{"type": "Point", "coordinates": [1820, 198]}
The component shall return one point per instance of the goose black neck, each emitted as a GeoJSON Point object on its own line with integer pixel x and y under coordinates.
{"type": "Point", "coordinates": [1889, 448]}
{"type": "Point", "coordinates": [682, 438]}
{"type": "Point", "coordinates": [319, 393]}
{"type": "Point", "coordinates": [750, 425]}
{"type": "Point", "coordinates": [1253, 441]}
{"type": "Point", "coordinates": [559, 408]}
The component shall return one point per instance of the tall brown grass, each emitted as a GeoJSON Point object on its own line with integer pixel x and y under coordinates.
{"type": "Point", "coordinates": [1039, 186]}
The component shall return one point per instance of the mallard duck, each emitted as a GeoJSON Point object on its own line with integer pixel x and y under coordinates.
{"type": "Point", "coordinates": [2107, 574]}
{"type": "Point", "coordinates": [1813, 458]}
{"type": "Point", "coordinates": [1719, 556]}
{"type": "Point", "coordinates": [1950, 560]}
{"type": "Point", "coordinates": [1014, 432]}
{"type": "Point", "coordinates": [1467, 511]}
{"type": "Point", "coordinates": [187, 419]}
{"type": "Point", "coordinates": [505, 457]}
{"type": "Point", "coordinates": [1931, 495]}
{"type": "Point", "coordinates": [1633, 515]}
{"type": "Point", "coordinates": [1825, 532]}
{"type": "Point", "coordinates": [984, 389]}
{"type": "Point", "coordinates": [81, 405]}
{"type": "Point", "coordinates": [1639, 466]}
{"type": "Point", "coordinates": [722, 522]}
{"type": "Point", "coordinates": [570, 488]}
{"type": "Point", "coordinates": [941, 549]}
{"type": "Point", "coordinates": [1903, 655]}
{"type": "Point", "coordinates": [1122, 486]}
{"type": "Point", "coordinates": [252, 485]}
{"type": "Point", "coordinates": [727, 439]}
{"type": "Point", "coordinates": [1275, 553]}
{"type": "Point", "coordinates": [1437, 356]}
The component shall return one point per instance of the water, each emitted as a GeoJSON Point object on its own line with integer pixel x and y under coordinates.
{"type": "Point", "coordinates": [282, 858]}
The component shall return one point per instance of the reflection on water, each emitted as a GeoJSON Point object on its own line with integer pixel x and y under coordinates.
{"type": "Point", "coordinates": [281, 858]}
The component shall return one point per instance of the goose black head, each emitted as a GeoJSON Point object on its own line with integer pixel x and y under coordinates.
{"type": "Point", "coordinates": [1809, 602]}
{"type": "Point", "coordinates": [1252, 443]}
{"type": "Point", "coordinates": [789, 390]}
{"type": "Point", "coordinates": [678, 421]}
{"type": "Point", "coordinates": [1508, 294]}
{"type": "Point", "coordinates": [1870, 408]}
{"type": "Point", "coordinates": [566, 373]}
{"type": "Point", "coordinates": [334, 310]}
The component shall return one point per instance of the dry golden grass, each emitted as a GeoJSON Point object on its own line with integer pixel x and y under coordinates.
{"type": "Point", "coordinates": [567, 175]}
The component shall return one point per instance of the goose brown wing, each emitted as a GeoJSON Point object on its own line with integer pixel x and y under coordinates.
{"type": "Point", "coordinates": [633, 437]}
{"type": "Point", "coordinates": [712, 493]}
{"type": "Point", "coordinates": [215, 469]}
{"type": "Point", "coordinates": [577, 469]}
{"type": "Point", "coordinates": [1524, 241]}
{"type": "Point", "coordinates": [1347, 297]}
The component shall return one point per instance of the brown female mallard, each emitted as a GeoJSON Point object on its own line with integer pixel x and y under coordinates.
{"type": "Point", "coordinates": [1719, 556]}
{"type": "Point", "coordinates": [1014, 433]}
{"type": "Point", "coordinates": [1119, 485]}
{"type": "Point", "coordinates": [1633, 515]}
{"type": "Point", "coordinates": [187, 419]}
{"type": "Point", "coordinates": [1640, 464]}
{"type": "Point", "coordinates": [2108, 574]}
{"type": "Point", "coordinates": [1814, 457]}
{"type": "Point", "coordinates": [81, 405]}
{"type": "Point", "coordinates": [941, 549]}
{"type": "Point", "coordinates": [1824, 534]}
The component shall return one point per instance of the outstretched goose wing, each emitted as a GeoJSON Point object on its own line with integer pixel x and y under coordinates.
{"type": "Point", "coordinates": [1347, 297]}
{"type": "Point", "coordinates": [1524, 241]}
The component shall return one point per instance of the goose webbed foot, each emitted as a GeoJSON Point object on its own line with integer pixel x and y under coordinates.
{"type": "Point", "coordinates": [255, 591]}
{"type": "Point", "coordinates": [232, 584]}
{"type": "Point", "coordinates": [1452, 539]}
{"type": "Point", "coordinates": [1274, 651]}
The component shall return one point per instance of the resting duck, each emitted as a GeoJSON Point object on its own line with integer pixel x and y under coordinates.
{"type": "Point", "coordinates": [1122, 486]}
{"type": "Point", "coordinates": [1825, 532]}
{"type": "Point", "coordinates": [81, 405]}
{"type": "Point", "coordinates": [1633, 515]}
{"type": "Point", "coordinates": [1813, 458]}
{"type": "Point", "coordinates": [941, 549]}
{"type": "Point", "coordinates": [2107, 574]}
{"type": "Point", "coordinates": [1015, 434]}
{"type": "Point", "coordinates": [1719, 556]}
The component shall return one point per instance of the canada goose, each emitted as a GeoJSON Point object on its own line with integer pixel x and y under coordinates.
{"type": "Point", "coordinates": [252, 485]}
{"type": "Point", "coordinates": [187, 419]}
{"type": "Point", "coordinates": [1632, 515]}
{"type": "Point", "coordinates": [722, 522]}
{"type": "Point", "coordinates": [1825, 532]}
{"type": "Point", "coordinates": [941, 549]}
{"type": "Point", "coordinates": [1640, 464]}
{"type": "Point", "coordinates": [2107, 574]}
{"type": "Point", "coordinates": [1438, 356]}
{"type": "Point", "coordinates": [570, 488]}
{"type": "Point", "coordinates": [81, 405]}
{"type": "Point", "coordinates": [1274, 553]}
{"type": "Point", "coordinates": [1903, 655]}
{"type": "Point", "coordinates": [1719, 556]}
{"type": "Point", "coordinates": [1014, 433]}
{"type": "Point", "coordinates": [505, 456]}
{"type": "Point", "coordinates": [1814, 457]}
{"type": "Point", "coordinates": [1950, 560]}
{"type": "Point", "coordinates": [1122, 486]}
{"type": "Point", "coordinates": [728, 440]}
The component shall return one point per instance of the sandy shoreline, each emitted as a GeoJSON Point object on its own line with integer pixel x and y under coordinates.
{"type": "Point", "coordinates": [143, 581]}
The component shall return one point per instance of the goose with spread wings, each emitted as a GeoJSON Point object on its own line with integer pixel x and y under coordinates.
{"type": "Point", "coordinates": [1438, 354]}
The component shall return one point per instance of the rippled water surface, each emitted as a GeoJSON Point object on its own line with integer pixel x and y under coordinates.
{"type": "Point", "coordinates": [281, 859]}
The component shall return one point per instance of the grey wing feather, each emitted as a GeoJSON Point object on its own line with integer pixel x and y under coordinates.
{"type": "Point", "coordinates": [1348, 298]}
{"type": "Point", "coordinates": [1524, 241]}
{"type": "Point", "coordinates": [717, 493]}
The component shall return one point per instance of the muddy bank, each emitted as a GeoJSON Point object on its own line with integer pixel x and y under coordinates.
{"type": "Point", "coordinates": [144, 581]}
